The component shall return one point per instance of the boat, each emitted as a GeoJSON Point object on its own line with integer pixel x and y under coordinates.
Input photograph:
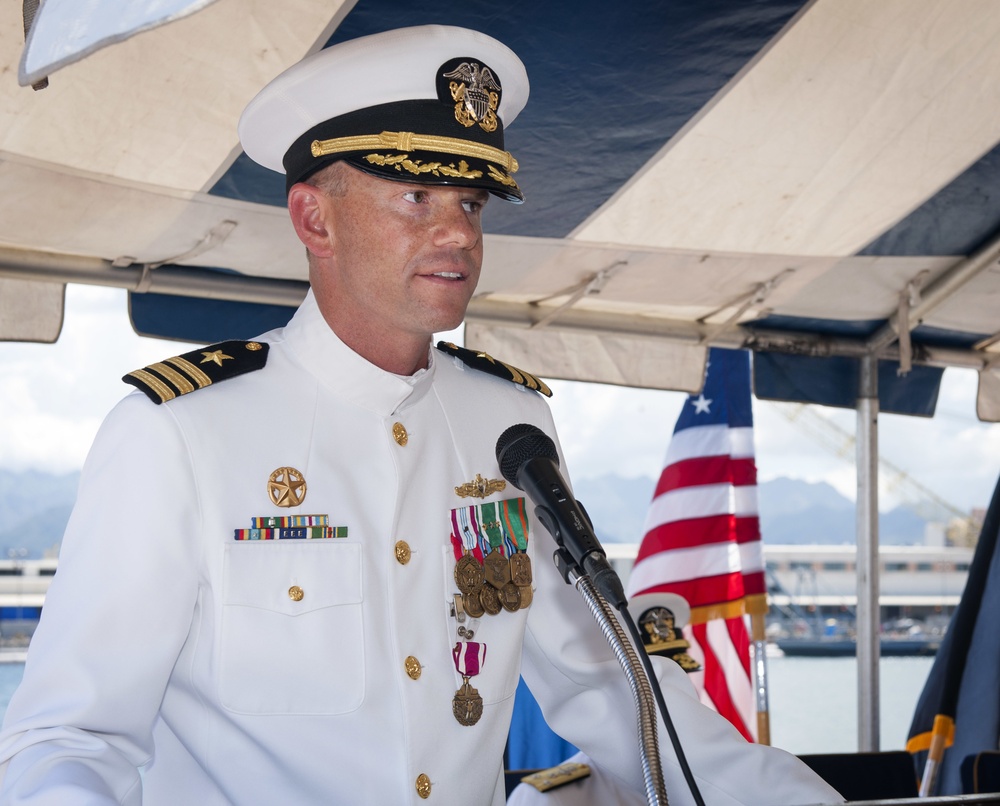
{"type": "Point", "coordinates": [847, 647]}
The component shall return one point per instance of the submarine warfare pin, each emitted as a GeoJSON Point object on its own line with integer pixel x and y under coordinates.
{"type": "Point", "coordinates": [480, 487]}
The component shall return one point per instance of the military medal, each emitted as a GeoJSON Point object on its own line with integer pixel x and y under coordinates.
{"type": "Point", "coordinates": [512, 516]}
{"type": "Point", "coordinates": [510, 597]}
{"type": "Point", "coordinates": [467, 705]}
{"type": "Point", "coordinates": [492, 567]}
{"type": "Point", "coordinates": [496, 568]}
{"type": "Point", "coordinates": [490, 599]}
{"type": "Point", "coordinates": [520, 569]}
{"type": "Point", "coordinates": [474, 606]}
{"type": "Point", "coordinates": [495, 564]}
{"type": "Point", "coordinates": [468, 571]}
{"type": "Point", "coordinates": [468, 575]}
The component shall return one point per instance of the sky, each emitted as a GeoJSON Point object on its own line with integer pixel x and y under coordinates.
{"type": "Point", "coordinates": [53, 397]}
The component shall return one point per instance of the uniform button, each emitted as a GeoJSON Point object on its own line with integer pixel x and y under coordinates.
{"type": "Point", "coordinates": [423, 786]}
{"type": "Point", "coordinates": [412, 667]}
{"type": "Point", "coordinates": [403, 552]}
{"type": "Point", "coordinates": [399, 434]}
{"type": "Point", "coordinates": [295, 593]}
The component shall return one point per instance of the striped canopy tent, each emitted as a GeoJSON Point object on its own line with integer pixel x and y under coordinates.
{"type": "Point", "coordinates": [807, 180]}
{"type": "Point", "coordinates": [818, 182]}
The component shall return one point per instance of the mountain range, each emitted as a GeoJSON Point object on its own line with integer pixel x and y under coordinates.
{"type": "Point", "coordinates": [792, 512]}
{"type": "Point", "coordinates": [35, 506]}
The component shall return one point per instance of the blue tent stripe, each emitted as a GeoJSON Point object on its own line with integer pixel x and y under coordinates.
{"type": "Point", "coordinates": [957, 220]}
{"type": "Point", "coordinates": [833, 381]}
{"type": "Point", "coordinates": [590, 122]}
{"type": "Point", "coordinates": [203, 321]}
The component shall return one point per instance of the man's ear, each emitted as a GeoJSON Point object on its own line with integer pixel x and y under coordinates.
{"type": "Point", "coordinates": [309, 209]}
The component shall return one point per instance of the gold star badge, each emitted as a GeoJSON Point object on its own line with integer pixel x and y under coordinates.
{"type": "Point", "coordinates": [216, 356]}
{"type": "Point", "coordinates": [286, 487]}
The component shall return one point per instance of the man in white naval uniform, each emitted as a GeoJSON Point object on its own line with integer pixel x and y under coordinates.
{"type": "Point", "coordinates": [257, 600]}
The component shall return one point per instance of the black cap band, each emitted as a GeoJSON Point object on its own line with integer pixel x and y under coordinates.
{"type": "Point", "coordinates": [405, 141]}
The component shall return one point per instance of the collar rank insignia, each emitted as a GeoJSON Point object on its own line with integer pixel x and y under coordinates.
{"type": "Point", "coordinates": [181, 374]}
{"type": "Point", "coordinates": [480, 487]}
{"type": "Point", "coordinates": [487, 363]}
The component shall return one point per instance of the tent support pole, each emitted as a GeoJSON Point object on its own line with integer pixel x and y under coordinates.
{"type": "Point", "coordinates": [867, 616]}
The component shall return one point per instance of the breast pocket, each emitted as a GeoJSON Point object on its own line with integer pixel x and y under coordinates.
{"type": "Point", "coordinates": [291, 628]}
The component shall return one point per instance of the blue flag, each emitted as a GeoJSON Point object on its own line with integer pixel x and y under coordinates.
{"type": "Point", "coordinates": [958, 713]}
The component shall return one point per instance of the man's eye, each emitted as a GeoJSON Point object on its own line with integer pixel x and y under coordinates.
{"type": "Point", "coordinates": [473, 205]}
{"type": "Point", "coordinates": [415, 196]}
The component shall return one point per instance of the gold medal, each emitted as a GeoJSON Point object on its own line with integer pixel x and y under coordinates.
{"type": "Point", "coordinates": [473, 605]}
{"type": "Point", "coordinates": [467, 705]}
{"type": "Point", "coordinates": [496, 569]}
{"type": "Point", "coordinates": [468, 575]}
{"type": "Point", "coordinates": [490, 598]}
{"type": "Point", "coordinates": [510, 597]}
{"type": "Point", "coordinates": [526, 596]}
{"type": "Point", "coordinates": [520, 569]}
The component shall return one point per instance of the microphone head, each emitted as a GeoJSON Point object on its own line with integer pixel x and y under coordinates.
{"type": "Point", "coordinates": [518, 444]}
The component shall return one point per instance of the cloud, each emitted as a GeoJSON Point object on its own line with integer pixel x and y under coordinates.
{"type": "Point", "coordinates": [54, 396]}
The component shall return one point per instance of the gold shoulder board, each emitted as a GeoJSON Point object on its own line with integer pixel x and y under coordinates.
{"type": "Point", "coordinates": [554, 777]}
{"type": "Point", "coordinates": [487, 363]}
{"type": "Point", "coordinates": [181, 374]}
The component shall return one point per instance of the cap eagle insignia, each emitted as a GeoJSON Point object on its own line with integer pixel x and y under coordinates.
{"type": "Point", "coordinates": [476, 93]}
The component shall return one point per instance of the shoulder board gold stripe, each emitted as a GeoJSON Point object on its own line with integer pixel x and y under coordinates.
{"type": "Point", "coordinates": [150, 380]}
{"type": "Point", "coordinates": [516, 375]}
{"type": "Point", "coordinates": [527, 379]}
{"type": "Point", "coordinates": [540, 385]}
{"type": "Point", "coordinates": [192, 371]}
{"type": "Point", "coordinates": [172, 375]}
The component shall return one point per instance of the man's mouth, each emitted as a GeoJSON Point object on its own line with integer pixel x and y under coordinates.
{"type": "Point", "coordinates": [448, 275]}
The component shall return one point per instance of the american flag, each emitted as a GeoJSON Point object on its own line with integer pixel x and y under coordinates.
{"type": "Point", "coordinates": [702, 535]}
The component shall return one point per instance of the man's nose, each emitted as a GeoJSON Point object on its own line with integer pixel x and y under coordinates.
{"type": "Point", "coordinates": [454, 225]}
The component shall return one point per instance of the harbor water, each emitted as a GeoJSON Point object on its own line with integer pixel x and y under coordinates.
{"type": "Point", "coordinates": [813, 701]}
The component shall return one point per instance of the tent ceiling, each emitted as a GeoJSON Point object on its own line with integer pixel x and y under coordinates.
{"type": "Point", "coordinates": [785, 176]}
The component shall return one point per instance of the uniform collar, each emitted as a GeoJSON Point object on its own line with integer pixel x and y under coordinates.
{"type": "Point", "coordinates": [345, 373]}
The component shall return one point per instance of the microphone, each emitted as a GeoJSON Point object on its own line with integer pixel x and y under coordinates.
{"type": "Point", "coordinates": [528, 459]}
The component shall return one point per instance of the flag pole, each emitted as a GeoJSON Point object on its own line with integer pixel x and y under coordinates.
{"type": "Point", "coordinates": [941, 733]}
{"type": "Point", "coordinates": [759, 636]}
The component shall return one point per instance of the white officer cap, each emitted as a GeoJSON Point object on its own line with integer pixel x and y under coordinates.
{"type": "Point", "coordinates": [425, 104]}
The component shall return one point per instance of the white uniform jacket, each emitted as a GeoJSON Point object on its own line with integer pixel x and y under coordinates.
{"type": "Point", "coordinates": [317, 671]}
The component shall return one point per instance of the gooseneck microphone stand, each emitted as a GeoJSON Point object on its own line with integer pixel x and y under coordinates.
{"type": "Point", "coordinates": [642, 695]}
